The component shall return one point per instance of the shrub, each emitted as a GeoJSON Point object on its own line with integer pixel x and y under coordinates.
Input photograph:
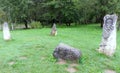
{"type": "Point", "coordinates": [35, 24]}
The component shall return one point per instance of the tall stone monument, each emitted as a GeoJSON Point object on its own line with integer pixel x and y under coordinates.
{"type": "Point", "coordinates": [54, 30]}
{"type": "Point", "coordinates": [6, 32]}
{"type": "Point", "coordinates": [108, 43]}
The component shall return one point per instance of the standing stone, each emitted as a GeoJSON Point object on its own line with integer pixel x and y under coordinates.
{"type": "Point", "coordinates": [66, 52]}
{"type": "Point", "coordinates": [54, 30]}
{"type": "Point", "coordinates": [6, 32]}
{"type": "Point", "coordinates": [108, 44]}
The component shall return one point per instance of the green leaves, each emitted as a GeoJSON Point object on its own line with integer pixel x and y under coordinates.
{"type": "Point", "coordinates": [82, 11]}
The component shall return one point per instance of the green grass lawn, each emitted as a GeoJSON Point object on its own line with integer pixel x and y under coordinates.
{"type": "Point", "coordinates": [31, 50]}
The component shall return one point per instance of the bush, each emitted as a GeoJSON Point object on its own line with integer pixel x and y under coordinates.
{"type": "Point", "coordinates": [35, 24]}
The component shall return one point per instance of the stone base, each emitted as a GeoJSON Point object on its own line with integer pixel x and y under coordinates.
{"type": "Point", "coordinates": [108, 52]}
{"type": "Point", "coordinates": [54, 33]}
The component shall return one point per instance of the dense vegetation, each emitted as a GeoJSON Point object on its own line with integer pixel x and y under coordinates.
{"type": "Point", "coordinates": [59, 11]}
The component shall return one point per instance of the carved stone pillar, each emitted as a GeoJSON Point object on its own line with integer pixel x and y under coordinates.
{"type": "Point", "coordinates": [108, 43]}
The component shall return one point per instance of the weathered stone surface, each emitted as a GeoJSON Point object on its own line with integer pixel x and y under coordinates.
{"type": "Point", "coordinates": [108, 44]}
{"type": "Point", "coordinates": [6, 31]}
{"type": "Point", "coordinates": [54, 30]}
{"type": "Point", "coordinates": [65, 52]}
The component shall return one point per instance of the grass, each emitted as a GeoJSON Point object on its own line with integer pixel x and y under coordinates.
{"type": "Point", "coordinates": [37, 46]}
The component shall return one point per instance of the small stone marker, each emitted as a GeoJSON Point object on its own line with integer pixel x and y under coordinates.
{"type": "Point", "coordinates": [108, 44]}
{"type": "Point", "coordinates": [54, 30]}
{"type": "Point", "coordinates": [65, 52]}
{"type": "Point", "coordinates": [6, 32]}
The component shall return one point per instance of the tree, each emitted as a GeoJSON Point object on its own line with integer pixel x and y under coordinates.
{"type": "Point", "coordinates": [59, 11]}
{"type": "Point", "coordinates": [2, 15]}
{"type": "Point", "coordinates": [106, 7]}
{"type": "Point", "coordinates": [15, 11]}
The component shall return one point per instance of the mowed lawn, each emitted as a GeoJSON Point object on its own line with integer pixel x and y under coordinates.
{"type": "Point", "coordinates": [30, 51]}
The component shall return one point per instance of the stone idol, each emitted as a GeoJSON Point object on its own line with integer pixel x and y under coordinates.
{"type": "Point", "coordinates": [108, 43]}
{"type": "Point", "coordinates": [54, 30]}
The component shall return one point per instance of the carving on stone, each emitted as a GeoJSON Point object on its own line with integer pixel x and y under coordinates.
{"type": "Point", "coordinates": [108, 44]}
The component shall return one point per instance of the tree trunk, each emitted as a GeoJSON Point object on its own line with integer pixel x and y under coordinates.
{"type": "Point", "coordinates": [101, 20]}
{"type": "Point", "coordinates": [101, 23]}
{"type": "Point", "coordinates": [68, 23]}
{"type": "Point", "coordinates": [26, 26]}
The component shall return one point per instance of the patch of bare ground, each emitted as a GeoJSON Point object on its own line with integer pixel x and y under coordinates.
{"type": "Point", "coordinates": [71, 66]}
{"type": "Point", "coordinates": [109, 71]}
{"type": "Point", "coordinates": [61, 62]}
{"type": "Point", "coordinates": [71, 69]}
{"type": "Point", "coordinates": [11, 63]}
{"type": "Point", "coordinates": [42, 58]}
{"type": "Point", "coordinates": [23, 58]}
